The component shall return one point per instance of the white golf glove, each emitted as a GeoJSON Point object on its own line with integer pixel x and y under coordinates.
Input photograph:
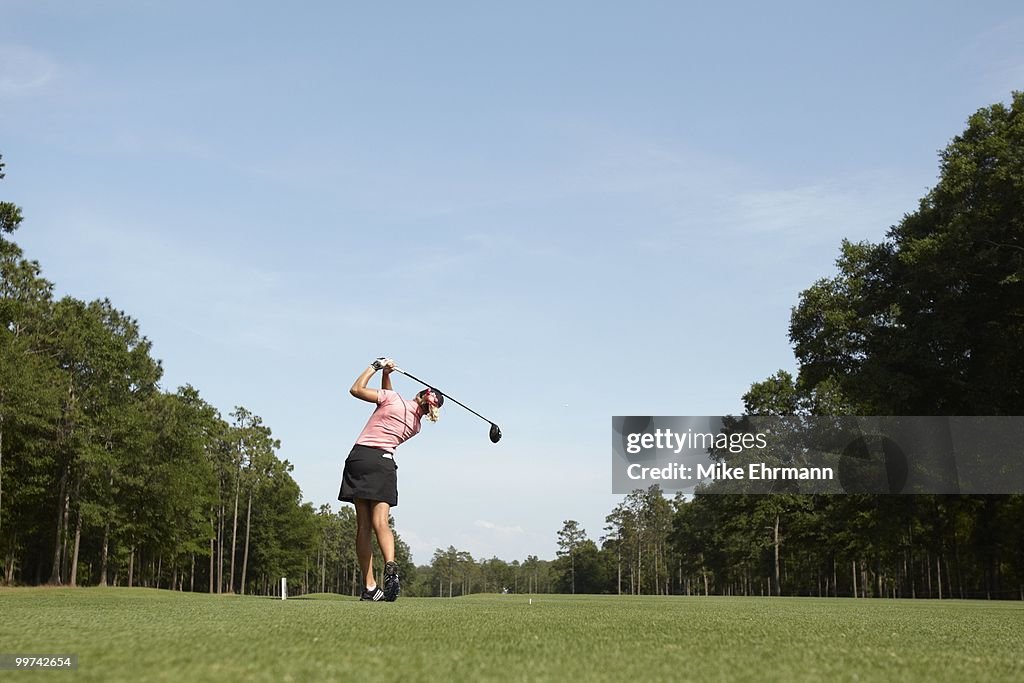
{"type": "Point", "coordinates": [379, 363]}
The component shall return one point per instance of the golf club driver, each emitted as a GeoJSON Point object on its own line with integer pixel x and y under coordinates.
{"type": "Point", "coordinates": [495, 433]}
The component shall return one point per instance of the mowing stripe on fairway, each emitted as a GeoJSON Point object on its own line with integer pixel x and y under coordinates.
{"type": "Point", "coordinates": [126, 634]}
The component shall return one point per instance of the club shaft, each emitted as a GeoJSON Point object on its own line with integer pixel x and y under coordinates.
{"type": "Point", "coordinates": [446, 394]}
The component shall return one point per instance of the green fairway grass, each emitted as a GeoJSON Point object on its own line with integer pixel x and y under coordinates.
{"type": "Point", "coordinates": [131, 634]}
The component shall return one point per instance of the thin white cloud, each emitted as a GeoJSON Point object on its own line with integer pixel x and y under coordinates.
{"type": "Point", "coordinates": [24, 70]}
{"type": "Point", "coordinates": [421, 545]}
{"type": "Point", "coordinates": [1005, 78]}
{"type": "Point", "coordinates": [499, 529]}
{"type": "Point", "coordinates": [680, 193]}
{"type": "Point", "coordinates": [241, 304]}
{"type": "Point", "coordinates": [996, 56]}
{"type": "Point", "coordinates": [851, 206]}
{"type": "Point", "coordinates": [787, 209]}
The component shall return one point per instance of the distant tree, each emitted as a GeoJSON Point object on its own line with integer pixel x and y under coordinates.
{"type": "Point", "coordinates": [614, 538]}
{"type": "Point", "coordinates": [569, 539]}
{"type": "Point", "coordinates": [445, 566]}
{"type": "Point", "coordinates": [259, 447]}
{"type": "Point", "coordinates": [532, 570]}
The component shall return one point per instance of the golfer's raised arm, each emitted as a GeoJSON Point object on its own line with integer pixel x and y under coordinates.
{"type": "Point", "coordinates": [359, 388]}
{"type": "Point", "coordinates": [385, 376]}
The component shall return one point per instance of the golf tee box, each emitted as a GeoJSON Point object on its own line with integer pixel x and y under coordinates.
{"type": "Point", "coordinates": [818, 454]}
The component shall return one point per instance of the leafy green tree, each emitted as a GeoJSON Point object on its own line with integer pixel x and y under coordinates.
{"type": "Point", "coordinates": [931, 321]}
{"type": "Point", "coordinates": [284, 529]}
{"type": "Point", "coordinates": [928, 322]}
{"type": "Point", "coordinates": [106, 366]}
{"type": "Point", "coordinates": [177, 483]}
{"type": "Point", "coordinates": [208, 431]}
{"type": "Point", "coordinates": [445, 568]}
{"type": "Point", "coordinates": [257, 446]}
{"type": "Point", "coordinates": [532, 570]}
{"type": "Point", "coordinates": [570, 537]}
{"type": "Point", "coordinates": [10, 214]}
{"type": "Point", "coordinates": [28, 402]}
{"type": "Point", "coordinates": [594, 569]}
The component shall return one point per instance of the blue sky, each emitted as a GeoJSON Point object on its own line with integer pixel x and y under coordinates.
{"type": "Point", "coordinates": [558, 212]}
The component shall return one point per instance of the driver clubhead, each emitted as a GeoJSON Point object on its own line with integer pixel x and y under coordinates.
{"type": "Point", "coordinates": [495, 433]}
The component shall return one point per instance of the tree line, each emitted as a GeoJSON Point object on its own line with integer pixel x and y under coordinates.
{"type": "Point", "coordinates": [107, 479]}
{"type": "Point", "coordinates": [930, 321]}
{"type": "Point", "coordinates": [932, 546]}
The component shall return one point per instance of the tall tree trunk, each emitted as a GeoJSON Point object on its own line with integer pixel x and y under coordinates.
{"type": "Point", "coordinates": [245, 558]}
{"type": "Point", "coordinates": [220, 550]}
{"type": "Point", "coordinates": [910, 561]}
{"type": "Point", "coordinates": [657, 579]}
{"type": "Point", "coordinates": [778, 581]}
{"type": "Point", "coordinates": [906, 577]}
{"type": "Point", "coordinates": [192, 576]}
{"type": "Point", "coordinates": [1, 467]}
{"type": "Point", "coordinates": [938, 573]}
{"type": "Point", "coordinates": [234, 535]}
{"type": "Point", "coordinates": [854, 572]}
{"type": "Point", "coordinates": [104, 554]}
{"type": "Point", "coordinates": [9, 560]}
{"type": "Point", "coordinates": [949, 581]}
{"type": "Point", "coordinates": [639, 568]}
{"type": "Point", "coordinates": [211, 563]}
{"type": "Point", "coordinates": [62, 499]}
{"type": "Point", "coordinates": [73, 576]}
{"type": "Point", "coordinates": [959, 571]}
{"type": "Point", "coordinates": [131, 568]}
{"type": "Point", "coordinates": [106, 538]}
{"type": "Point", "coordinates": [618, 552]}
{"type": "Point", "coordinates": [62, 502]}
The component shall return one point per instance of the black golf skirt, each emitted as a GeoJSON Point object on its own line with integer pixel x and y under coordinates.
{"type": "Point", "coordinates": [370, 475]}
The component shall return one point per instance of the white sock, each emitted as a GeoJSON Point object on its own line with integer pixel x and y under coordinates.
{"type": "Point", "coordinates": [372, 588]}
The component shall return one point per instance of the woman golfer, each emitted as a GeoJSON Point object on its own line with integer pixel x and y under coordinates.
{"type": "Point", "coordinates": [370, 480]}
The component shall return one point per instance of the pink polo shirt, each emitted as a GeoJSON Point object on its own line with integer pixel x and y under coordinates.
{"type": "Point", "coordinates": [394, 421]}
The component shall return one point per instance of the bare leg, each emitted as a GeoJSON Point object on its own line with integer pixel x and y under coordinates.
{"type": "Point", "coordinates": [364, 540]}
{"type": "Point", "coordinates": [385, 539]}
